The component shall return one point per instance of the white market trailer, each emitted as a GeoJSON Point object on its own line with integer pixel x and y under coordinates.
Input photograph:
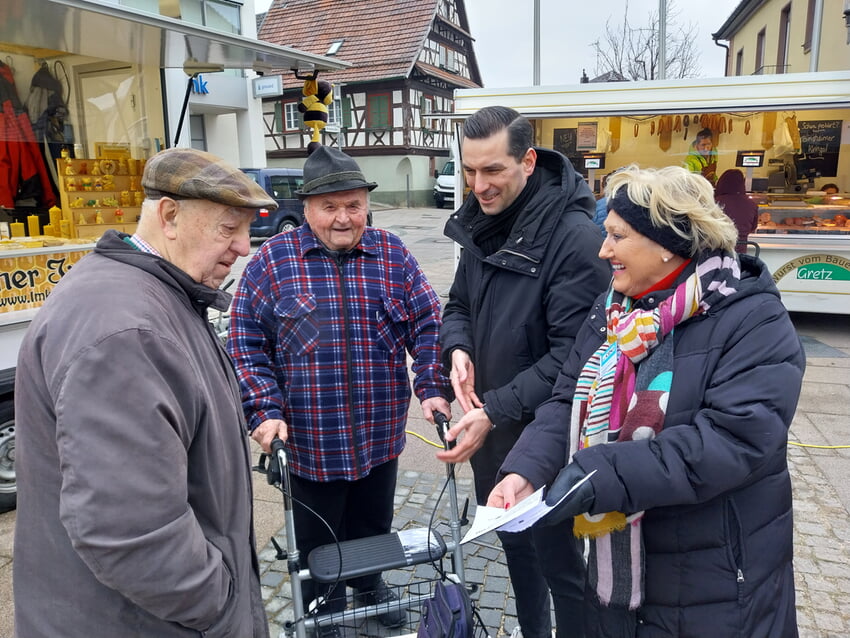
{"type": "Point", "coordinates": [803, 240]}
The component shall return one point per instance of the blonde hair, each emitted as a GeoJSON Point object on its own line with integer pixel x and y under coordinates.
{"type": "Point", "coordinates": [680, 200]}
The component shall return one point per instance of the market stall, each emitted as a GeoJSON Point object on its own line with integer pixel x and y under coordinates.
{"type": "Point", "coordinates": [789, 135]}
{"type": "Point", "coordinates": [98, 82]}
{"type": "Point", "coordinates": [88, 91]}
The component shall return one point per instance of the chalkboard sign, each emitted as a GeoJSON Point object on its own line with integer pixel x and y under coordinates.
{"type": "Point", "coordinates": [564, 141]}
{"type": "Point", "coordinates": [820, 142]}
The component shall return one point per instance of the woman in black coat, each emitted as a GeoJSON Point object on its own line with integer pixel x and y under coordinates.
{"type": "Point", "coordinates": [675, 402]}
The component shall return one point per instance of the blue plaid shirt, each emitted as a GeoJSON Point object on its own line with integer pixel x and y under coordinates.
{"type": "Point", "coordinates": [321, 342]}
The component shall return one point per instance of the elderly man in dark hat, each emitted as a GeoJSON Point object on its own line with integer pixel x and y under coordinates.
{"type": "Point", "coordinates": [134, 480]}
{"type": "Point", "coordinates": [323, 319]}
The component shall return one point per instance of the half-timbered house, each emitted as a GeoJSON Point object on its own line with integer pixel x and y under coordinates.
{"type": "Point", "coordinates": [407, 57]}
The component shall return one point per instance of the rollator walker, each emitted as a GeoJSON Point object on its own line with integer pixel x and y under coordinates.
{"type": "Point", "coordinates": [337, 562]}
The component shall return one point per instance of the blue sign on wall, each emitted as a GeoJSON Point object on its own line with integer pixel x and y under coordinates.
{"type": "Point", "coordinates": [199, 85]}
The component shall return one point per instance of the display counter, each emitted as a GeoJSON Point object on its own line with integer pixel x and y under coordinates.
{"type": "Point", "coordinates": [793, 215]}
{"type": "Point", "coordinates": [806, 247]}
{"type": "Point", "coordinates": [812, 271]}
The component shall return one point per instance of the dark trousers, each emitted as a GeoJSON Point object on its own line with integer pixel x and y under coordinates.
{"type": "Point", "coordinates": [353, 509]}
{"type": "Point", "coordinates": [541, 560]}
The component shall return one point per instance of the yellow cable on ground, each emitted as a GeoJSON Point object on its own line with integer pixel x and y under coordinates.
{"type": "Point", "coordinates": [419, 436]}
{"type": "Point", "coordinates": [822, 447]}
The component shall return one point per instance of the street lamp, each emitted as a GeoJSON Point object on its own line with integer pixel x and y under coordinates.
{"type": "Point", "coordinates": [536, 38]}
{"type": "Point", "coordinates": [662, 39]}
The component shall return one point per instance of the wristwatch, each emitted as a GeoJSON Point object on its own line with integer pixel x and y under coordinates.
{"type": "Point", "coordinates": [492, 422]}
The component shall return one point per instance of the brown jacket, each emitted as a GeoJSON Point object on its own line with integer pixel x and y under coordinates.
{"type": "Point", "coordinates": [134, 488]}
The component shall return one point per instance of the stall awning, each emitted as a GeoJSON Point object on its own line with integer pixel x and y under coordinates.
{"type": "Point", "coordinates": [703, 95]}
{"type": "Point", "coordinates": [113, 32]}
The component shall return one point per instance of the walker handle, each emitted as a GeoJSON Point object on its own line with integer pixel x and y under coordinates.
{"type": "Point", "coordinates": [442, 424]}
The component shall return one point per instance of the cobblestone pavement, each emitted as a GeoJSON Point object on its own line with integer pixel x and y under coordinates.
{"type": "Point", "coordinates": [821, 556]}
{"type": "Point", "coordinates": [419, 497]}
{"type": "Point", "coordinates": [821, 477]}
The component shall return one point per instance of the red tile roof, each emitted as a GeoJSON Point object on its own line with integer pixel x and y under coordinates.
{"type": "Point", "coordinates": [383, 38]}
{"type": "Point", "coordinates": [448, 76]}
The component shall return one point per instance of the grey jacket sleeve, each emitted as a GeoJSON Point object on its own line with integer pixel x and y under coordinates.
{"type": "Point", "coordinates": [123, 430]}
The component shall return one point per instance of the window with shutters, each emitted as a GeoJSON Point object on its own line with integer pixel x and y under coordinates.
{"type": "Point", "coordinates": [346, 111]}
{"type": "Point", "coordinates": [426, 107]}
{"type": "Point", "coordinates": [378, 113]}
{"type": "Point", "coordinates": [292, 117]}
{"type": "Point", "coordinates": [286, 117]}
{"type": "Point", "coordinates": [335, 113]}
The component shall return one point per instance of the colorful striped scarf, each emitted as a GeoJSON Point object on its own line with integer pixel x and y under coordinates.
{"type": "Point", "coordinates": [618, 400]}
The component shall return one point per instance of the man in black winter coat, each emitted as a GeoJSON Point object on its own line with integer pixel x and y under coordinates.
{"type": "Point", "coordinates": [527, 277]}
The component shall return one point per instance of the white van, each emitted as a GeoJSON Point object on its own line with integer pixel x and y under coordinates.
{"type": "Point", "coordinates": [444, 189]}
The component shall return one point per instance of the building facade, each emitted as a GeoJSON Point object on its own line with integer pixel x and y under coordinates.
{"type": "Point", "coordinates": [407, 58]}
{"type": "Point", "coordinates": [766, 37]}
{"type": "Point", "coordinates": [97, 80]}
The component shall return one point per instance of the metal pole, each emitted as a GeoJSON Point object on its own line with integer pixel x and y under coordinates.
{"type": "Point", "coordinates": [442, 424]}
{"type": "Point", "coordinates": [536, 36]}
{"type": "Point", "coordinates": [662, 39]}
{"type": "Point", "coordinates": [183, 109]}
{"type": "Point", "coordinates": [293, 555]}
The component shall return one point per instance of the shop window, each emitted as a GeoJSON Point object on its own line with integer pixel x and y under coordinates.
{"type": "Point", "coordinates": [198, 132]}
{"type": "Point", "coordinates": [378, 113]}
{"type": "Point", "coordinates": [151, 6]}
{"type": "Point", "coordinates": [111, 108]}
{"type": "Point", "coordinates": [215, 14]}
{"type": "Point", "coordinates": [222, 16]}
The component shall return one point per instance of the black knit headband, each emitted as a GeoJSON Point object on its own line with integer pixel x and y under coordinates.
{"type": "Point", "coordinates": [638, 218]}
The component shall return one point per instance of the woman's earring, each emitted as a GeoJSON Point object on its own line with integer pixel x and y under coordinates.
{"type": "Point", "coordinates": [665, 259]}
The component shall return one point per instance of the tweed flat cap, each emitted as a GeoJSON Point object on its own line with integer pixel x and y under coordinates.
{"type": "Point", "coordinates": [329, 170]}
{"type": "Point", "coordinates": [186, 173]}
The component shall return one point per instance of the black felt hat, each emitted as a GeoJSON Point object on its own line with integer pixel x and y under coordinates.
{"type": "Point", "coordinates": [329, 170]}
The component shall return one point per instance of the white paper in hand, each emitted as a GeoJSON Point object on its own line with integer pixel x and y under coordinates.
{"type": "Point", "coordinates": [519, 517]}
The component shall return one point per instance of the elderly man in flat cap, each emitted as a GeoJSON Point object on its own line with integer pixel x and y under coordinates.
{"type": "Point", "coordinates": [133, 463]}
{"type": "Point", "coordinates": [323, 319]}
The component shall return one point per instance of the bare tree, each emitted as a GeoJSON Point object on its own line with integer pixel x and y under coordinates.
{"type": "Point", "coordinates": [632, 51]}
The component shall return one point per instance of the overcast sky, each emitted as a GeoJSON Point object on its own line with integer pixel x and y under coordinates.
{"type": "Point", "coordinates": [503, 32]}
